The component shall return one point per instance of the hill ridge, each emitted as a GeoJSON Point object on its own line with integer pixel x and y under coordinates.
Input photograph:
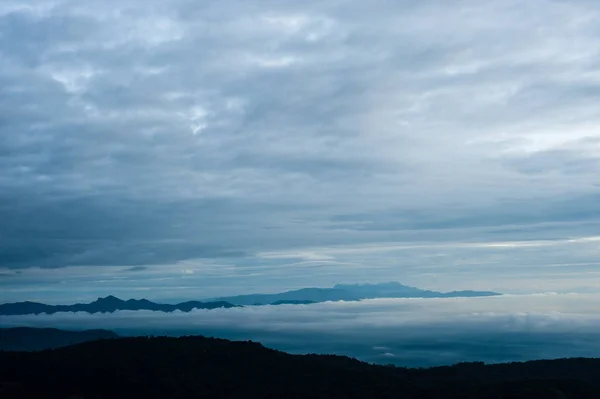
{"type": "Point", "coordinates": [108, 304]}
{"type": "Point", "coordinates": [195, 366]}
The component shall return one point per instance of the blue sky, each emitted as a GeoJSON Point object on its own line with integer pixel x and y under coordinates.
{"type": "Point", "coordinates": [187, 149]}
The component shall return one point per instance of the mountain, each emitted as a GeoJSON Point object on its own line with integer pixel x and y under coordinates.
{"type": "Point", "coordinates": [397, 290]}
{"type": "Point", "coordinates": [348, 292]}
{"type": "Point", "coordinates": [201, 367]}
{"type": "Point", "coordinates": [108, 304]}
{"type": "Point", "coordinates": [340, 292]}
{"type": "Point", "coordinates": [292, 302]}
{"type": "Point", "coordinates": [25, 338]}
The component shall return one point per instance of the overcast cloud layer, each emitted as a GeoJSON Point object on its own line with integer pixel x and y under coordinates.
{"type": "Point", "coordinates": [410, 332]}
{"type": "Point", "coordinates": [239, 146]}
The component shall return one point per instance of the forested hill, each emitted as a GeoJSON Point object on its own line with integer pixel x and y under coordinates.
{"type": "Point", "coordinates": [25, 338]}
{"type": "Point", "coordinates": [214, 368]}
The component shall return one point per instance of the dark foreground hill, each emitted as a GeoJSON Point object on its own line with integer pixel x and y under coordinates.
{"type": "Point", "coordinates": [31, 339]}
{"type": "Point", "coordinates": [197, 367]}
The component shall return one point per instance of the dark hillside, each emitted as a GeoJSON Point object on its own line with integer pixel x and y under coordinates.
{"type": "Point", "coordinates": [215, 368]}
{"type": "Point", "coordinates": [27, 339]}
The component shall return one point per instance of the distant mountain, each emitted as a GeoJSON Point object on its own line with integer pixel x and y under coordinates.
{"type": "Point", "coordinates": [292, 302]}
{"type": "Point", "coordinates": [340, 292]}
{"type": "Point", "coordinates": [27, 339]}
{"type": "Point", "coordinates": [198, 367]}
{"type": "Point", "coordinates": [397, 290]}
{"type": "Point", "coordinates": [348, 292]}
{"type": "Point", "coordinates": [108, 304]}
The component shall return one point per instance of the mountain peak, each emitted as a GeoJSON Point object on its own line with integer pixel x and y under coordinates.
{"type": "Point", "coordinates": [140, 301]}
{"type": "Point", "coordinates": [348, 292]}
{"type": "Point", "coordinates": [109, 299]}
{"type": "Point", "coordinates": [389, 284]}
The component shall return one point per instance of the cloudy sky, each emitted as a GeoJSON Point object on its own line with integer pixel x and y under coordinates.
{"type": "Point", "coordinates": [185, 149]}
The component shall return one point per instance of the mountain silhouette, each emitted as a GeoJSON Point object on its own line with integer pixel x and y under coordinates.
{"type": "Point", "coordinates": [107, 304]}
{"type": "Point", "coordinates": [26, 338]}
{"type": "Point", "coordinates": [347, 292]}
{"type": "Point", "coordinates": [199, 367]}
{"type": "Point", "coordinates": [303, 296]}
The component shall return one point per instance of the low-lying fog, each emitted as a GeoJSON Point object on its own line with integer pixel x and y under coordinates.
{"type": "Point", "coordinates": [411, 332]}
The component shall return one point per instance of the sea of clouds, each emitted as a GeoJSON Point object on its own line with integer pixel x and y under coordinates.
{"type": "Point", "coordinates": [408, 332]}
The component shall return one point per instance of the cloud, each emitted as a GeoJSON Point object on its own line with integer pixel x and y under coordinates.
{"type": "Point", "coordinates": [559, 265]}
{"type": "Point", "coordinates": [147, 135]}
{"type": "Point", "coordinates": [403, 331]}
{"type": "Point", "coordinates": [136, 269]}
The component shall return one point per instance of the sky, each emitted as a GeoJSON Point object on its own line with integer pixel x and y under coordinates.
{"type": "Point", "coordinates": [188, 149]}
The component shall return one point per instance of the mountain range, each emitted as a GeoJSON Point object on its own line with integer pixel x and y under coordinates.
{"type": "Point", "coordinates": [347, 292]}
{"type": "Point", "coordinates": [108, 304]}
{"type": "Point", "coordinates": [304, 296]}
